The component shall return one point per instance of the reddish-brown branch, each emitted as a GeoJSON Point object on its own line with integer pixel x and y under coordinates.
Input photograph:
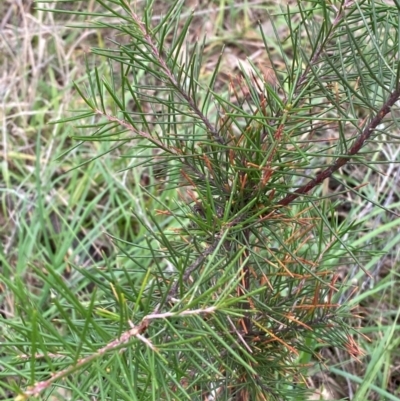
{"type": "Point", "coordinates": [341, 161]}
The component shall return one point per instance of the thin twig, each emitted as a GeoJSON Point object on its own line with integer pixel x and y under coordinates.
{"type": "Point", "coordinates": [134, 331]}
{"type": "Point", "coordinates": [153, 48]}
{"type": "Point", "coordinates": [161, 145]}
{"type": "Point", "coordinates": [341, 161]}
{"type": "Point", "coordinates": [319, 51]}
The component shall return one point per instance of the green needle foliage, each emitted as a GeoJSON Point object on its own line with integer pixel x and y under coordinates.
{"type": "Point", "coordinates": [229, 290]}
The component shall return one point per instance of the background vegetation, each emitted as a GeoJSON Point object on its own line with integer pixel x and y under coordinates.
{"type": "Point", "coordinates": [63, 208]}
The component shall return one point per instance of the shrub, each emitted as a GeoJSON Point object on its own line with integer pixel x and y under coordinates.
{"type": "Point", "coordinates": [230, 289]}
